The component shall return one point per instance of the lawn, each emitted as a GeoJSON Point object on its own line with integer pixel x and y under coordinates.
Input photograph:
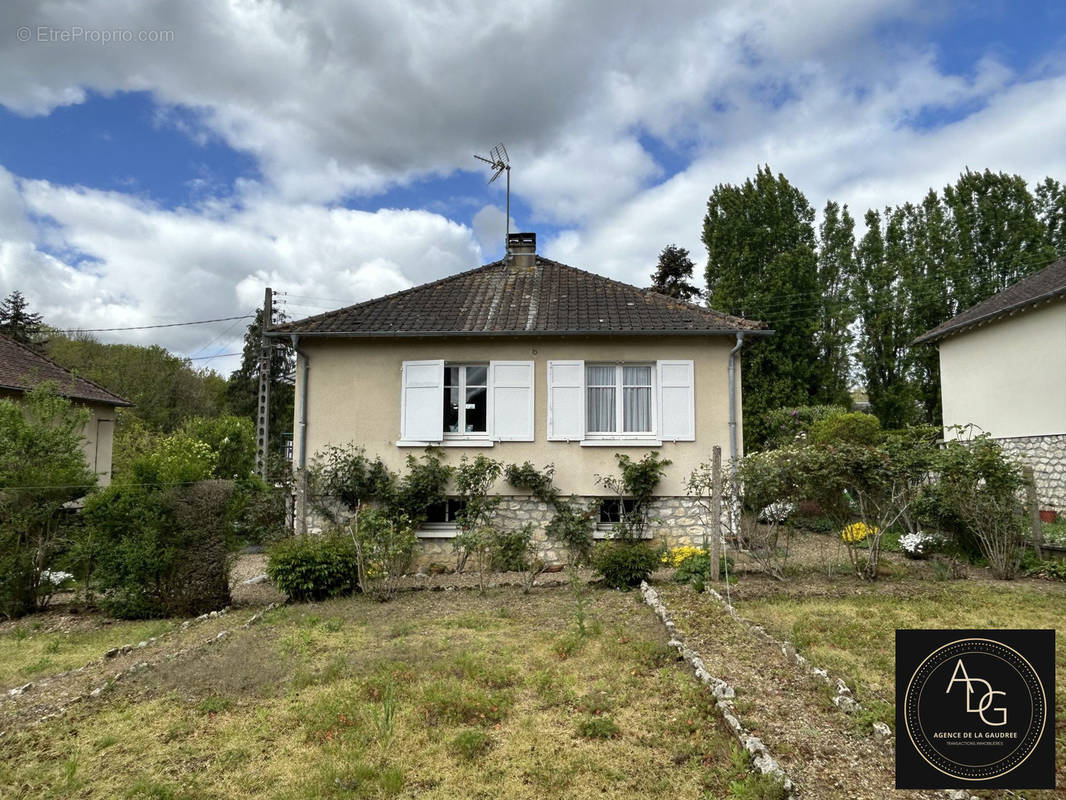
{"type": "Point", "coordinates": [848, 626]}
{"type": "Point", "coordinates": [49, 643]}
{"type": "Point", "coordinates": [434, 695]}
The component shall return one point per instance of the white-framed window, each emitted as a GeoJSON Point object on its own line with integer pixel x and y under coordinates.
{"type": "Point", "coordinates": [621, 404]}
{"type": "Point", "coordinates": [619, 400]}
{"type": "Point", "coordinates": [465, 404]}
{"type": "Point", "coordinates": [466, 401]}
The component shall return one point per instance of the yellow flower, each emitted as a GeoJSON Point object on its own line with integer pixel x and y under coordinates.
{"type": "Point", "coordinates": [677, 556]}
{"type": "Point", "coordinates": [857, 531]}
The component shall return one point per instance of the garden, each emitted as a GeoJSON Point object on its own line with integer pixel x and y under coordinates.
{"type": "Point", "coordinates": [822, 545]}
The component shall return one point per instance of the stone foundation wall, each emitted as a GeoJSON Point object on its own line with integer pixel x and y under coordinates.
{"type": "Point", "coordinates": [1047, 456]}
{"type": "Point", "coordinates": [674, 521]}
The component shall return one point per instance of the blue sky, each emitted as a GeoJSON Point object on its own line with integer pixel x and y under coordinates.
{"type": "Point", "coordinates": [165, 163]}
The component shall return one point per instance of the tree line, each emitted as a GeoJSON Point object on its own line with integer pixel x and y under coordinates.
{"type": "Point", "coordinates": [167, 391]}
{"type": "Point", "coordinates": [846, 309]}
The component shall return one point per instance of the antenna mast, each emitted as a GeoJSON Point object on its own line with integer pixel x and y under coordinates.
{"type": "Point", "coordinates": [500, 162]}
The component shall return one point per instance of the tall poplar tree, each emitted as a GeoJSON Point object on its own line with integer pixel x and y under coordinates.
{"type": "Point", "coordinates": [998, 236]}
{"type": "Point", "coordinates": [761, 264]}
{"type": "Point", "coordinates": [882, 299]}
{"type": "Point", "coordinates": [1051, 210]}
{"type": "Point", "coordinates": [833, 338]}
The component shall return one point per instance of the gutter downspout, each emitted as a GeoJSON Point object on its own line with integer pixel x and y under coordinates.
{"type": "Point", "coordinates": [300, 506]}
{"type": "Point", "coordinates": [733, 402]}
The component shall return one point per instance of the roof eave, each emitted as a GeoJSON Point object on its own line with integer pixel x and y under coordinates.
{"type": "Point", "coordinates": [100, 400]}
{"type": "Point", "coordinates": [493, 334]}
{"type": "Point", "coordinates": [935, 336]}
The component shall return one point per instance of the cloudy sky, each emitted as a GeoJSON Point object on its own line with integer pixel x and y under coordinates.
{"type": "Point", "coordinates": [162, 162]}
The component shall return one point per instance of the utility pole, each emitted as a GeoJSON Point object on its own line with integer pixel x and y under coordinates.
{"type": "Point", "coordinates": [262, 427]}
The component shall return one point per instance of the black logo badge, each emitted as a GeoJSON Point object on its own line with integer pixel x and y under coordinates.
{"type": "Point", "coordinates": [975, 709]}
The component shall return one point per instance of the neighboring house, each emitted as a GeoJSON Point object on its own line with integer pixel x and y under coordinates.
{"type": "Point", "coordinates": [22, 369]}
{"type": "Point", "coordinates": [1003, 369]}
{"type": "Point", "coordinates": [523, 360]}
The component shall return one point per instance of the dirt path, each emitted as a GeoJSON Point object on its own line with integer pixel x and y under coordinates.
{"type": "Point", "coordinates": [819, 747]}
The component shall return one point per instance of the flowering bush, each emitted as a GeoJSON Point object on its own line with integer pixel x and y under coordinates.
{"type": "Point", "coordinates": [917, 545]}
{"type": "Point", "coordinates": [857, 532]}
{"type": "Point", "coordinates": [677, 556]}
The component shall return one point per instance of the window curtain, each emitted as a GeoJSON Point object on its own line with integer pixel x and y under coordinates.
{"type": "Point", "coordinates": [636, 399]}
{"type": "Point", "coordinates": [601, 399]}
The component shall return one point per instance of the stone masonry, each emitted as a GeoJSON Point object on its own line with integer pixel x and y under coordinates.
{"type": "Point", "coordinates": [673, 521]}
{"type": "Point", "coordinates": [1047, 456]}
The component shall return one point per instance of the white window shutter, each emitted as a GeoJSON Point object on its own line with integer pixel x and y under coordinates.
{"type": "Point", "coordinates": [511, 389]}
{"type": "Point", "coordinates": [422, 401]}
{"type": "Point", "coordinates": [677, 417]}
{"type": "Point", "coordinates": [566, 401]}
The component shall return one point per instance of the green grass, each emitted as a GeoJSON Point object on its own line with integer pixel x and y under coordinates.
{"type": "Point", "coordinates": [853, 635]}
{"type": "Point", "coordinates": [472, 699]}
{"type": "Point", "coordinates": [29, 648]}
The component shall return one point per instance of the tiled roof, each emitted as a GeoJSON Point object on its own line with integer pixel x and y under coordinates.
{"type": "Point", "coordinates": [1048, 284]}
{"type": "Point", "coordinates": [22, 369]}
{"type": "Point", "coordinates": [545, 297]}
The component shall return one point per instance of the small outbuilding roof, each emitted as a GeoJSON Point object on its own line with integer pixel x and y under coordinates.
{"type": "Point", "coordinates": [22, 369]}
{"type": "Point", "coordinates": [530, 295]}
{"type": "Point", "coordinates": [1048, 284]}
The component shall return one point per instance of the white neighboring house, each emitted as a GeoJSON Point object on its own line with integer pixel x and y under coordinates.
{"type": "Point", "coordinates": [1003, 369]}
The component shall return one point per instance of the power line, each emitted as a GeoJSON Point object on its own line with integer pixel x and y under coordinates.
{"type": "Point", "coordinates": [216, 355]}
{"type": "Point", "coordinates": [147, 327]}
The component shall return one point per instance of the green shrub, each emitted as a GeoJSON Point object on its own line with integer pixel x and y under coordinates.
{"type": "Point", "coordinates": [40, 447]}
{"type": "Point", "coordinates": [787, 425]}
{"type": "Point", "coordinates": [257, 513]}
{"type": "Point", "coordinates": [696, 569]}
{"type": "Point", "coordinates": [315, 567]}
{"type": "Point", "coordinates": [159, 552]}
{"type": "Point", "coordinates": [384, 546]}
{"type": "Point", "coordinates": [853, 428]}
{"type": "Point", "coordinates": [624, 565]}
{"type": "Point", "coordinates": [509, 551]}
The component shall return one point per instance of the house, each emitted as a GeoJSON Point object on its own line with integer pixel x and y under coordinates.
{"type": "Point", "coordinates": [22, 369]}
{"type": "Point", "coordinates": [1003, 369]}
{"type": "Point", "coordinates": [524, 359]}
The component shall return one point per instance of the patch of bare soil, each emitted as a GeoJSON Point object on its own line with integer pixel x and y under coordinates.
{"type": "Point", "coordinates": [819, 747]}
{"type": "Point", "coordinates": [53, 694]}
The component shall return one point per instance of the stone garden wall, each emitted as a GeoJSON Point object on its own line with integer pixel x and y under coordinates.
{"type": "Point", "coordinates": [1047, 456]}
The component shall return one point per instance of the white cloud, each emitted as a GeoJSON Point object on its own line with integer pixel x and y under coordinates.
{"type": "Point", "coordinates": [334, 98]}
{"type": "Point", "coordinates": [146, 265]}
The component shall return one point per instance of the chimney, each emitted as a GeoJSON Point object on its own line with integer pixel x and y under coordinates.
{"type": "Point", "coordinates": [522, 248]}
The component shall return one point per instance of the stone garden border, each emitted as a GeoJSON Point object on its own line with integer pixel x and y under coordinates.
{"type": "Point", "coordinates": [761, 758]}
{"type": "Point", "coordinates": [11, 694]}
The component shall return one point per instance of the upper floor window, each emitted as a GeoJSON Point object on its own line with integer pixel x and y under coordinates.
{"type": "Point", "coordinates": [465, 400]}
{"type": "Point", "coordinates": [619, 399]}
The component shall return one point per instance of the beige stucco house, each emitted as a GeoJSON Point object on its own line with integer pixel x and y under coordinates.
{"type": "Point", "coordinates": [524, 359]}
{"type": "Point", "coordinates": [21, 369]}
{"type": "Point", "coordinates": [1003, 370]}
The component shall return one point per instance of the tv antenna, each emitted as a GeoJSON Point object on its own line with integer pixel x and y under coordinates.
{"type": "Point", "coordinates": [500, 162]}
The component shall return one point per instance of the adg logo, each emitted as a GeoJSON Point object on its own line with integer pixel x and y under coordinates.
{"type": "Point", "coordinates": [975, 709]}
{"type": "Point", "coordinates": [986, 698]}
